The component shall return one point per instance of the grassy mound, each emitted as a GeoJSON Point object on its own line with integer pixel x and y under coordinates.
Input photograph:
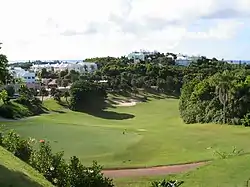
{"type": "Point", "coordinates": [232, 172]}
{"type": "Point", "coordinates": [15, 173]}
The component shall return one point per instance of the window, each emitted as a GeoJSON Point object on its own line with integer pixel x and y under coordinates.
{"type": "Point", "coordinates": [32, 77]}
{"type": "Point", "coordinates": [29, 77]}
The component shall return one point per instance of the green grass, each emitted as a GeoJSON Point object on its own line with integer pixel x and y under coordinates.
{"type": "Point", "coordinates": [155, 135]}
{"type": "Point", "coordinates": [233, 172]}
{"type": "Point", "coordinates": [14, 172]}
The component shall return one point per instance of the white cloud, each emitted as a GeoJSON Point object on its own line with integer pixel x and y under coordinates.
{"type": "Point", "coordinates": [59, 29]}
{"type": "Point", "coordinates": [224, 29]}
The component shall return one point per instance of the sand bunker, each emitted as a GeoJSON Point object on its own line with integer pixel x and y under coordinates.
{"type": "Point", "coordinates": [131, 102]}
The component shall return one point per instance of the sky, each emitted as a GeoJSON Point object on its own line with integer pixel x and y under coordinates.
{"type": "Point", "coordinates": [78, 29]}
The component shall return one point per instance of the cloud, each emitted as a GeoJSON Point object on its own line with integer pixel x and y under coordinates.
{"type": "Point", "coordinates": [223, 29]}
{"type": "Point", "coordinates": [81, 28]}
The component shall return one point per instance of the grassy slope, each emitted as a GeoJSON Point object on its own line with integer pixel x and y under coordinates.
{"type": "Point", "coordinates": [15, 173]}
{"type": "Point", "coordinates": [233, 172]}
{"type": "Point", "coordinates": [155, 135]}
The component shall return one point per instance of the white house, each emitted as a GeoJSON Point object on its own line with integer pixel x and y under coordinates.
{"type": "Point", "coordinates": [141, 55]}
{"type": "Point", "coordinates": [182, 60]}
{"type": "Point", "coordinates": [26, 76]}
{"type": "Point", "coordinates": [79, 66]}
{"type": "Point", "coordinates": [185, 60]}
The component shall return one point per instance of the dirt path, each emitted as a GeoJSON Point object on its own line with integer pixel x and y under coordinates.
{"type": "Point", "coordinates": [161, 170]}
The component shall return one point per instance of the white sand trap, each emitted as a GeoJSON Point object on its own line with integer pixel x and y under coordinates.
{"type": "Point", "coordinates": [126, 103]}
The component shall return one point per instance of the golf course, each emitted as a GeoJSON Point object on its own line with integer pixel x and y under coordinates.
{"type": "Point", "coordinates": [145, 135]}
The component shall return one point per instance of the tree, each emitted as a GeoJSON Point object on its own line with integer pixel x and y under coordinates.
{"type": "Point", "coordinates": [66, 95]}
{"type": "Point", "coordinates": [65, 82]}
{"type": "Point", "coordinates": [87, 95]}
{"type": "Point", "coordinates": [44, 73]}
{"type": "Point", "coordinates": [4, 96]}
{"type": "Point", "coordinates": [85, 68]}
{"type": "Point", "coordinates": [57, 95]}
{"type": "Point", "coordinates": [223, 83]}
{"type": "Point", "coordinates": [52, 91]}
{"type": "Point", "coordinates": [43, 92]}
{"type": "Point", "coordinates": [3, 69]}
{"type": "Point", "coordinates": [10, 90]}
{"type": "Point", "coordinates": [92, 67]}
{"type": "Point", "coordinates": [62, 74]}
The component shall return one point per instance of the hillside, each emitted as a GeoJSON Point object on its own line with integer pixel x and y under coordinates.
{"type": "Point", "coordinates": [15, 173]}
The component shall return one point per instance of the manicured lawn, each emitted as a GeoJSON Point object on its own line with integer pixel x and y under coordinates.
{"type": "Point", "coordinates": [233, 172]}
{"type": "Point", "coordinates": [154, 135]}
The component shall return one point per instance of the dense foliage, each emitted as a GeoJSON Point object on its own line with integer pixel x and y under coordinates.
{"type": "Point", "coordinates": [220, 98]}
{"type": "Point", "coordinates": [86, 95]}
{"type": "Point", "coordinates": [52, 165]}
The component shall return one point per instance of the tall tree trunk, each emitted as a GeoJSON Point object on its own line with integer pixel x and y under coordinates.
{"type": "Point", "coordinates": [224, 111]}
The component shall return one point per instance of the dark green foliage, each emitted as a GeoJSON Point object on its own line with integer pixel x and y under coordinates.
{"type": "Point", "coordinates": [166, 183]}
{"type": "Point", "coordinates": [52, 165]}
{"type": "Point", "coordinates": [10, 90]}
{"type": "Point", "coordinates": [57, 95]}
{"type": "Point", "coordinates": [86, 95]}
{"type": "Point", "coordinates": [221, 98]}
{"type": "Point", "coordinates": [246, 120]}
{"type": "Point", "coordinates": [15, 144]}
{"type": "Point", "coordinates": [14, 110]}
{"type": "Point", "coordinates": [3, 69]}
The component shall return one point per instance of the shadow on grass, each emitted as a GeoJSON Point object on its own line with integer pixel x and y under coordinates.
{"type": "Point", "coordinates": [110, 115]}
{"type": "Point", "coordinates": [99, 109]}
{"type": "Point", "coordinates": [10, 178]}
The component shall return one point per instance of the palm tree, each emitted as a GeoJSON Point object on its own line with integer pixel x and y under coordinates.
{"type": "Point", "coordinates": [66, 95]}
{"type": "Point", "coordinates": [223, 87]}
{"type": "Point", "coordinates": [43, 92]}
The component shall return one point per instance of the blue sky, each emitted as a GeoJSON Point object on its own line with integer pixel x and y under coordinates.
{"type": "Point", "coordinates": [77, 29]}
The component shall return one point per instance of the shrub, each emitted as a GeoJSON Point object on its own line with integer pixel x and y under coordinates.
{"type": "Point", "coordinates": [55, 169]}
{"type": "Point", "coordinates": [80, 176]}
{"type": "Point", "coordinates": [10, 90]}
{"type": "Point", "coordinates": [246, 120]}
{"type": "Point", "coordinates": [52, 166]}
{"type": "Point", "coordinates": [21, 148]}
{"type": "Point", "coordinates": [166, 183]}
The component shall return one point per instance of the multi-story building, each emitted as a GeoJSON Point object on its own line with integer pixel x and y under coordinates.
{"type": "Point", "coordinates": [27, 77]}
{"type": "Point", "coordinates": [79, 67]}
{"type": "Point", "coordinates": [140, 55]}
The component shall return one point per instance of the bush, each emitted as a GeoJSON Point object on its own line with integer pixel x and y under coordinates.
{"type": "Point", "coordinates": [14, 110]}
{"type": "Point", "coordinates": [52, 165]}
{"type": "Point", "coordinates": [21, 148]}
{"type": "Point", "coordinates": [166, 183]}
{"type": "Point", "coordinates": [80, 176]}
{"type": "Point", "coordinates": [55, 169]}
{"type": "Point", "coordinates": [10, 90]}
{"type": "Point", "coordinates": [246, 120]}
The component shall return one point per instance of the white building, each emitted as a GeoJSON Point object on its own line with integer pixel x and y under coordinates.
{"type": "Point", "coordinates": [25, 76]}
{"type": "Point", "coordinates": [140, 56]}
{"type": "Point", "coordinates": [185, 60]}
{"type": "Point", "coordinates": [79, 67]}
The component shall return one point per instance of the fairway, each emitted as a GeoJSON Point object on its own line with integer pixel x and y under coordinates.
{"type": "Point", "coordinates": [232, 172]}
{"type": "Point", "coordinates": [147, 134]}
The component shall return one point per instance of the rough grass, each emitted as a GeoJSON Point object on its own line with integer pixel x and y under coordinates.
{"type": "Point", "coordinates": [232, 172]}
{"type": "Point", "coordinates": [148, 134]}
{"type": "Point", "coordinates": [15, 173]}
